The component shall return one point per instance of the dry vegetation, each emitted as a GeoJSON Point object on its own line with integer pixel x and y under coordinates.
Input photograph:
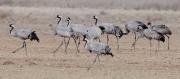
{"type": "Point", "coordinates": [40, 63]}
{"type": "Point", "coordinates": [121, 4]}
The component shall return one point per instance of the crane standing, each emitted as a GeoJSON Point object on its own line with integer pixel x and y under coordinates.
{"type": "Point", "coordinates": [110, 29]}
{"type": "Point", "coordinates": [150, 34]}
{"type": "Point", "coordinates": [135, 27]}
{"type": "Point", "coordinates": [163, 29]}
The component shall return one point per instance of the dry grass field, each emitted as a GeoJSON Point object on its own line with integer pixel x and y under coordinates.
{"type": "Point", "coordinates": [120, 4]}
{"type": "Point", "coordinates": [126, 64]}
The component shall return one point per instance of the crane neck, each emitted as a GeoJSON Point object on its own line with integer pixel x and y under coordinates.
{"type": "Point", "coordinates": [59, 20]}
{"type": "Point", "coordinates": [11, 28]}
{"type": "Point", "coordinates": [96, 20]}
{"type": "Point", "coordinates": [149, 27]}
{"type": "Point", "coordinates": [84, 39]}
{"type": "Point", "coordinates": [68, 22]}
{"type": "Point", "coordinates": [149, 24]}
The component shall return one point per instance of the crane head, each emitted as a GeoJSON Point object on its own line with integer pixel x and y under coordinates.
{"type": "Point", "coordinates": [58, 16]}
{"type": "Point", "coordinates": [10, 25]}
{"type": "Point", "coordinates": [149, 23]}
{"type": "Point", "coordinates": [68, 18]}
{"type": "Point", "coordinates": [94, 17]}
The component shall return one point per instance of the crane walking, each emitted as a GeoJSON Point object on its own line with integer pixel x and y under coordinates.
{"type": "Point", "coordinates": [65, 31]}
{"type": "Point", "coordinates": [97, 48]}
{"type": "Point", "coordinates": [23, 34]}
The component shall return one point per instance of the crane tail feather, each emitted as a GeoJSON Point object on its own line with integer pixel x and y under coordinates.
{"type": "Point", "coordinates": [102, 29]}
{"type": "Point", "coordinates": [162, 39]}
{"type": "Point", "coordinates": [33, 36]}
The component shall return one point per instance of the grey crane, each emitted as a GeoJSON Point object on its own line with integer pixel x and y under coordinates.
{"type": "Point", "coordinates": [97, 48]}
{"type": "Point", "coordinates": [150, 34]}
{"type": "Point", "coordinates": [135, 26]}
{"type": "Point", "coordinates": [23, 34]}
{"type": "Point", "coordinates": [110, 29]}
{"type": "Point", "coordinates": [79, 30]}
{"type": "Point", "coordinates": [163, 29]}
{"type": "Point", "coordinates": [94, 33]}
{"type": "Point", "coordinates": [64, 31]}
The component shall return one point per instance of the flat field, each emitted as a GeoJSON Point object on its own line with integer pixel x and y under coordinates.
{"type": "Point", "coordinates": [126, 64]}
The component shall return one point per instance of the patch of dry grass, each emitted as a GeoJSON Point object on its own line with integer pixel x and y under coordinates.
{"type": "Point", "coordinates": [47, 15]}
{"type": "Point", "coordinates": [120, 4]}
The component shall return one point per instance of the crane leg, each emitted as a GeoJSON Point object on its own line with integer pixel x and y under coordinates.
{"type": "Point", "coordinates": [157, 49]}
{"type": "Point", "coordinates": [85, 44]}
{"type": "Point", "coordinates": [19, 48]}
{"type": "Point", "coordinates": [99, 39]}
{"type": "Point", "coordinates": [117, 39]}
{"type": "Point", "coordinates": [57, 48]}
{"type": "Point", "coordinates": [25, 46]}
{"type": "Point", "coordinates": [66, 45]}
{"type": "Point", "coordinates": [158, 45]}
{"type": "Point", "coordinates": [107, 39]}
{"type": "Point", "coordinates": [98, 59]}
{"type": "Point", "coordinates": [134, 36]}
{"type": "Point", "coordinates": [168, 44]}
{"type": "Point", "coordinates": [168, 41]}
{"type": "Point", "coordinates": [76, 45]}
{"type": "Point", "coordinates": [134, 43]}
{"type": "Point", "coordinates": [97, 56]}
{"type": "Point", "coordinates": [135, 39]}
{"type": "Point", "coordinates": [79, 42]}
{"type": "Point", "coordinates": [150, 45]}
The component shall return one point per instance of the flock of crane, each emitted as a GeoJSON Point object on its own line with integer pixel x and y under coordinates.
{"type": "Point", "coordinates": [90, 35]}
